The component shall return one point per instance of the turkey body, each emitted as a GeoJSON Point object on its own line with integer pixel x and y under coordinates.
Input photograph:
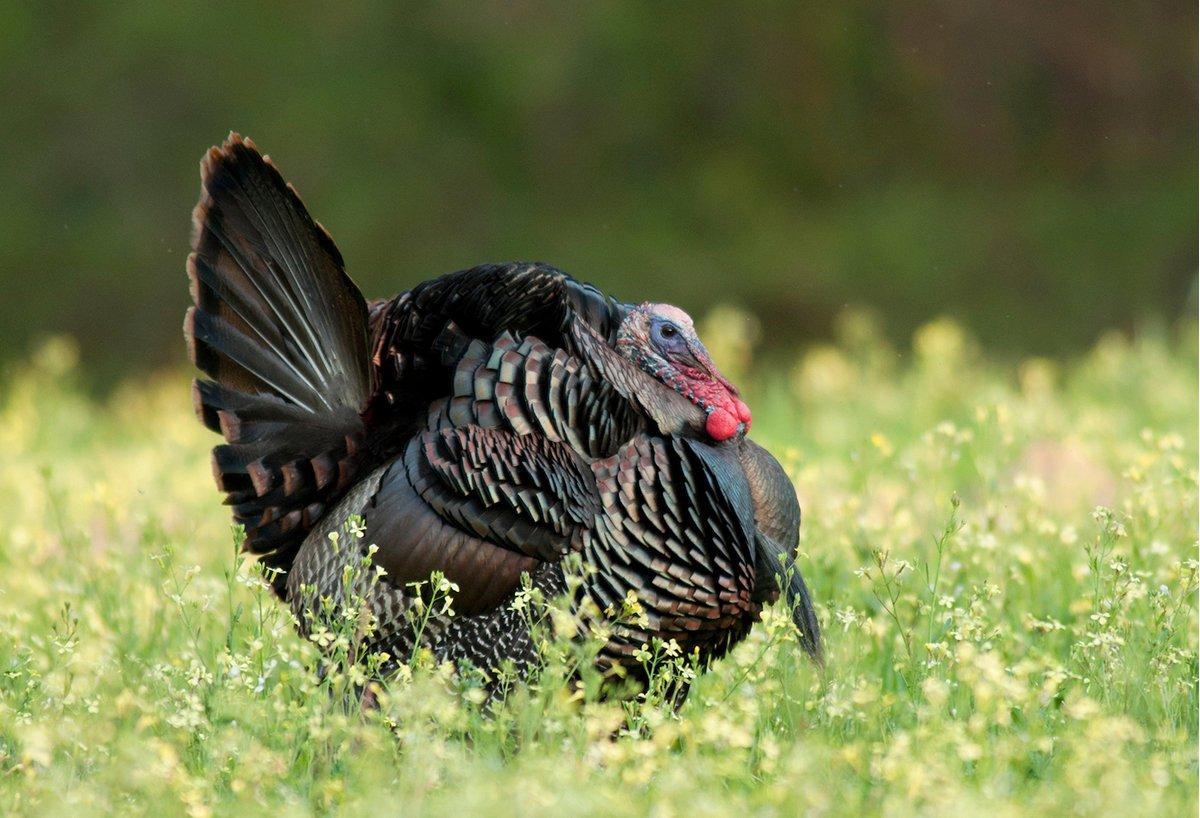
{"type": "Point", "coordinates": [488, 425]}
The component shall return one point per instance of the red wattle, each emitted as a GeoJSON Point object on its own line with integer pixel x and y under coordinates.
{"type": "Point", "coordinates": [721, 424]}
{"type": "Point", "coordinates": [743, 412]}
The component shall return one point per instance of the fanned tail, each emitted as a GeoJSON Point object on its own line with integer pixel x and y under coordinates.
{"type": "Point", "coordinates": [282, 331]}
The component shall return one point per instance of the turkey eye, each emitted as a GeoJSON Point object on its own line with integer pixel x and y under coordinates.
{"type": "Point", "coordinates": [668, 331]}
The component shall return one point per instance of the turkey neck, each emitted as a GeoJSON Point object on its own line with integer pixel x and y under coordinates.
{"type": "Point", "coordinates": [671, 413]}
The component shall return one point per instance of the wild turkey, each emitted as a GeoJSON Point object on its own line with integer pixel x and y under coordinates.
{"type": "Point", "coordinates": [485, 424]}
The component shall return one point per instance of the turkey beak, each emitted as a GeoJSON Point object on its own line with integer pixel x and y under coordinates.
{"type": "Point", "coordinates": [688, 357]}
{"type": "Point", "coordinates": [696, 356]}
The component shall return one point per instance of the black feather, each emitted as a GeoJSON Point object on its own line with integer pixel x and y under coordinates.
{"type": "Point", "coordinates": [781, 563]}
{"type": "Point", "coordinates": [282, 331]}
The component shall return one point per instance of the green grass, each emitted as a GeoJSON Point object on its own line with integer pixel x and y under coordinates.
{"type": "Point", "coordinates": [1004, 558]}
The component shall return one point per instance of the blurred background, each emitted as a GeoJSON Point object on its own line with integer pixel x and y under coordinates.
{"type": "Point", "coordinates": [1026, 168]}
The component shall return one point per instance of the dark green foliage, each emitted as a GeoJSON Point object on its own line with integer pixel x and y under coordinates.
{"type": "Point", "coordinates": [1027, 167]}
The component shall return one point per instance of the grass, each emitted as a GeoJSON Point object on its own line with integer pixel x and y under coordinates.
{"type": "Point", "coordinates": [1004, 558]}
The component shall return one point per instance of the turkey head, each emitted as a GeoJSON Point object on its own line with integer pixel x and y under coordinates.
{"type": "Point", "coordinates": [661, 340]}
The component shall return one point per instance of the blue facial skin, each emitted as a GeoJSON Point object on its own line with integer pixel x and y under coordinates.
{"type": "Point", "coordinates": [666, 336]}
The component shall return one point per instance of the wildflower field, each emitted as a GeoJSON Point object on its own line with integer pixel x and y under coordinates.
{"type": "Point", "coordinates": [1003, 554]}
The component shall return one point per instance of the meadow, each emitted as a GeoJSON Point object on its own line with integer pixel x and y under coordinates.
{"type": "Point", "coordinates": [1003, 553]}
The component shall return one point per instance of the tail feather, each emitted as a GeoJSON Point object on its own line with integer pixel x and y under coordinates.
{"type": "Point", "coordinates": [282, 332]}
{"type": "Point", "coordinates": [795, 595]}
{"type": "Point", "coordinates": [227, 354]}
